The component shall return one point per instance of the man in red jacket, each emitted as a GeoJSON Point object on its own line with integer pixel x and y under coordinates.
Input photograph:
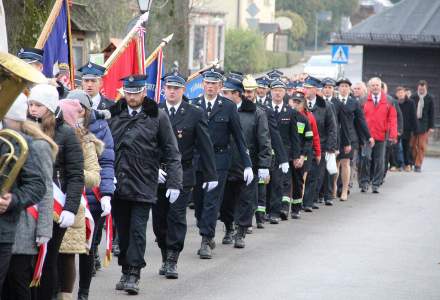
{"type": "Point", "coordinates": [381, 118]}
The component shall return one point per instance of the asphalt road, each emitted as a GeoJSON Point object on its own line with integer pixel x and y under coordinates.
{"type": "Point", "coordinates": [384, 246]}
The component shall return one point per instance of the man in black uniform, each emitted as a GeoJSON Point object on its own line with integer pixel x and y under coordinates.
{"type": "Point", "coordinates": [325, 120]}
{"type": "Point", "coordinates": [286, 120]}
{"type": "Point", "coordinates": [223, 123]}
{"type": "Point", "coordinates": [142, 133]}
{"type": "Point", "coordinates": [91, 81]}
{"type": "Point", "coordinates": [262, 97]}
{"type": "Point", "coordinates": [190, 127]}
{"type": "Point", "coordinates": [278, 153]}
{"type": "Point", "coordinates": [240, 198]}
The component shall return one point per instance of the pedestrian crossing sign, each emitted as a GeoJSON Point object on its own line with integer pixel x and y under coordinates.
{"type": "Point", "coordinates": [339, 54]}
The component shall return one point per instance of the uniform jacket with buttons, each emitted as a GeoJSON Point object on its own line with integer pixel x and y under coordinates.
{"type": "Point", "coordinates": [275, 137]}
{"type": "Point", "coordinates": [224, 123]}
{"type": "Point", "coordinates": [287, 125]}
{"type": "Point", "coordinates": [190, 127]}
{"type": "Point", "coordinates": [140, 142]}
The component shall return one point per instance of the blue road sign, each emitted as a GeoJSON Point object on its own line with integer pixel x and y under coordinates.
{"type": "Point", "coordinates": [339, 54]}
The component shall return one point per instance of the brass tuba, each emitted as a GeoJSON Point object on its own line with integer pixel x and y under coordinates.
{"type": "Point", "coordinates": [15, 74]}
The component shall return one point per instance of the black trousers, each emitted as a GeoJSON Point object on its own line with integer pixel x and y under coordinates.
{"type": "Point", "coordinates": [325, 180]}
{"type": "Point", "coordinates": [49, 279]}
{"type": "Point", "coordinates": [311, 188]}
{"type": "Point", "coordinates": [239, 202]}
{"type": "Point", "coordinates": [207, 204]}
{"type": "Point", "coordinates": [297, 189]}
{"type": "Point", "coordinates": [407, 156]}
{"type": "Point", "coordinates": [287, 187]}
{"type": "Point", "coordinates": [5, 258]}
{"type": "Point", "coordinates": [131, 221]}
{"type": "Point", "coordinates": [86, 261]}
{"type": "Point", "coordinates": [169, 219]}
{"type": "Point", "coordinates": [261, 197]}
{"type": "Point", "coordinates": [372, 165]}
{"type": "Point", "coordinates": [16, 285]}
{"type": "Point", "coordinates": [275, 192]}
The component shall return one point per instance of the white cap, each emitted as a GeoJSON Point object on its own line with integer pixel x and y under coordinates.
{"type": "Point", "coordinates": [18, 110]}
{"type": "Point", "coordinates": [45, 94]}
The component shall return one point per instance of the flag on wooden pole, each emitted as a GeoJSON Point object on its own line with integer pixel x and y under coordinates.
{"type": "Point", "coordinates": [56, 41]}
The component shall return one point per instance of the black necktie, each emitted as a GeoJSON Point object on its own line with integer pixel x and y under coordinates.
{"type": "Point", "coordinates": [209, 108]}
{"type": "Point", "coordinates": [343, 100]}
{"type": "Point", "coordinates": [277, 110]}
{"type": "Point", "coordinates": [134, 113]}
{"type": "Point", "coordinates": [172, 112]}
{"type": "Point", "coordinates": [375, 99]}
{"type": "Point", "coordinates": [310, 105]}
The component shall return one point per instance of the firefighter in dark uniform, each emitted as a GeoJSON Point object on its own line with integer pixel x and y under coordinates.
{"type": "Point", "coordinates": [190, 127]}
{"type": "Point", "coordinates": [325, 120]}
{"type": "Point", "coordinates": [262, 91]}
{"type": "Point", "coordinates": [223, 123]}
{"type": "Point", "coordinates": [240, 197]}
{"type": "Point", "coordinates": [91, 82]}
{"type": "Point", "coordinates": [286, 120]}
{"type": "Point", "coordinates": [278, 153]}
{"type": "Point", "coordinates": [306, 138]}
{"type": "Point", "coordinates": [142, 133]}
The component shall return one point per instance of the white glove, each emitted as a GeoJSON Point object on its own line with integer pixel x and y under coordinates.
{"type": "Point", "coordinates": [248, 175]}
{"type": "Point", "coordinates": [105, 206]}
{"type": "Point", "coordinates": [210, 185]}
{"type": "Point", "coordinates": [172, 194]}
{"type": "Point", "coordinates": [162, 176]}
{"type": "Point", "coordinates": [284, 167]}
{"type": "Point", "coordinates": [263, 174]}
{"type": "Point", "coordinates": [66, 219]}
{"type": "Point", "coordinates": [42, 240]}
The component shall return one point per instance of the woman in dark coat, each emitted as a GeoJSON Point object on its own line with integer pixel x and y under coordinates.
{"type": "Point", "coordinates": [67, 175]}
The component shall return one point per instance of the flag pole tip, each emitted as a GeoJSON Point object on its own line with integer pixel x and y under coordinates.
{"type": "Point", "coordinates": [168, 38]}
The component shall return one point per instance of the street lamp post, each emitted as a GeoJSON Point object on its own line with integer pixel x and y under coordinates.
{"type": "Point", "coordinates": [144, 5]}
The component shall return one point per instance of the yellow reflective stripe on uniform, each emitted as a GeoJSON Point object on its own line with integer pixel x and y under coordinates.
{"type": "Point", "coordinates": [300, 126]}
{"type": "Point", "coordinates": [309, 133]}
{"type": "Point", "coordinates": [285, 199]}
{"type": "Point", "coordinates": [261, 209]}
{"type": "Point", "coordinates": [297, 201]}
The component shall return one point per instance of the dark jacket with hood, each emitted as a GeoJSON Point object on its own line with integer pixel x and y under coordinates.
{"type": "Point", "coordinates": [140, 142]}
{"type": "Point", "coordinates": [325, 119]}
{"type": "Point", "coordinates": [255, 128]}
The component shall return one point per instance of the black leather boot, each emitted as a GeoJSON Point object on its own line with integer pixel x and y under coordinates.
{"type": "Point", "coordinates": [83, 294]}
{"type": "Point", "coordinates": [171, 264]}
{"type": "Point", "coordinates": [229, 235]}
{"type": "Point", "coordinates": [205, 251]}
{"type": "Point", "coordinates": [260, 220]}
{"type": "Point", "coordinates": [239, 237]}
{"type": "Point", "coordinates": [121, 284]}
{"type": "Point", "coordinates": [132, 284]}
{"type": "Point", "coordinates": [163, 268]}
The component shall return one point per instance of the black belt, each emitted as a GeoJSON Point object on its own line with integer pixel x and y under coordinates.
{"type": "Point", "coordinates": [218, 149]}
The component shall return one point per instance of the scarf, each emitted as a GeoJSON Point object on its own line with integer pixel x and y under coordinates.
{"type": "Point", "coordinates": [420, 106]}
